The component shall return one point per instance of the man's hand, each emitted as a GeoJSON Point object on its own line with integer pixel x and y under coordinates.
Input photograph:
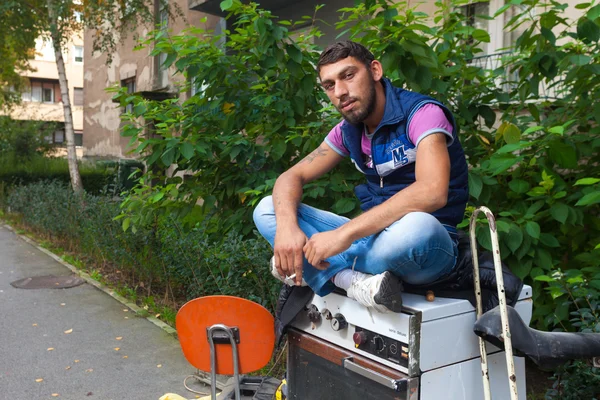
{"type": "Point", "coordinates": [324, 245]}
{"type": "Point", "coordinates": [288, 252]}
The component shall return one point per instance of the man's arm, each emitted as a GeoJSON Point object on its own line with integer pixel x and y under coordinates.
{"type": "Point", "coordinates": [428, 193]}
{"type": "Point", "coordinates": [287, 193]}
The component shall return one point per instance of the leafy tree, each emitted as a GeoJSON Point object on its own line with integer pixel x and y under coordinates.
{"type": "Point", "coordinates": [529, 126]}
{"type": "Point", "coordinates": [59, 20]}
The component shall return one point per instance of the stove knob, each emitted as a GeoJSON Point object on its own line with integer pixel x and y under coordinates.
{"type": "Point", "coordinates": [338, 322]}
{"type": "Point", "coordinates": [314, 315]}
{"type": "Point", "coordinates": [359, 338]}
{"type": "Point", "coordinates": [379, 344]}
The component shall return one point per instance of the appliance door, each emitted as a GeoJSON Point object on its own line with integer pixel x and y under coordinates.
{"type": "Point", "coordinates": [317, 369]}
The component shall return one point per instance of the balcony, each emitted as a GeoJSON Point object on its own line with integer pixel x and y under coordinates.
{"type": "Point", "coordinates": [546, 91]}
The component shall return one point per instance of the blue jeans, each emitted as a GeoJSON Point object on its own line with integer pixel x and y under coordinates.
{"type": "Point", "coordinates": [417, 248]}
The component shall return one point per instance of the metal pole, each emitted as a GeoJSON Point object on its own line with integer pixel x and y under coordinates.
{"type": "Point", "coordinates": [213, 361]}
{"type": "Point", "coordinates": [512, 377]}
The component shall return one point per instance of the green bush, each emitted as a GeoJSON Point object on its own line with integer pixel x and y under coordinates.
{"type": "Point", "coordinates": [529, 125]}
{"type": "Point", "coordinates": [25, 139]}
{"type": "Point", "coordinates": [581, 291]}
{"type": "Point", "coordinates": [14, 171]}
{"type": "Point", "coordinates": [160, 257]}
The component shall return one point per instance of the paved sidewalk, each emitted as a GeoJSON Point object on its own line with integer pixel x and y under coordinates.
{"type": "Point", "coordinates": [90, 362]}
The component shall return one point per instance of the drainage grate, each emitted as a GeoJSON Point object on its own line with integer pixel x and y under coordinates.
{"type": "Point", "coordinates": [48, 282]}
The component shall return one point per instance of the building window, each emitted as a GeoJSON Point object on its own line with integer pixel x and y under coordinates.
{"type": "Point", "coordinates": [78, 138]}
{"type": "Point", "coordinates": [56, 137]}
{"type": "Point", "coordinates": [77, 96]}
{"type": "Point", "coordinates": [476, 16]}
{"type": "Point", "coordinates": [162, 20]}
{"type": "Point", "coordinates": [42, 91]}
{"type": "Point", "coordinates": [78, 54]}
{"type": "Point", "coordinates": [129, 83]}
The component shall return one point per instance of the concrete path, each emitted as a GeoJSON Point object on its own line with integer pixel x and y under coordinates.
{"type": "Point", "coordinates": [110, 353]}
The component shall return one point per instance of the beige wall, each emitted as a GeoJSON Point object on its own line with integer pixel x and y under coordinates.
{"type": "Point", "coordinates": [101, 115]}
{"type": "Point", "coordinates": [44, 66]}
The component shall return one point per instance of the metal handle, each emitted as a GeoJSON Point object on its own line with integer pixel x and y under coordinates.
{"type": "Point", "coordinates": [372, 375]}
{"type": "Point", "coordinates": [510, 363]}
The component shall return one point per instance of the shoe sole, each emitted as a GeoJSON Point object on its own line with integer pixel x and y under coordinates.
{"type": "Point", "coordinates": [390, 293]}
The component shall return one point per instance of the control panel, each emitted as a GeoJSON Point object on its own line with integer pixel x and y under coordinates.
{"type": "Point", "coordinates": [381, 346]}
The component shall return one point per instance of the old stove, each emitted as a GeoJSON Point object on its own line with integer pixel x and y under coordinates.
{"type": "Point", "coordinates": [339, 349]}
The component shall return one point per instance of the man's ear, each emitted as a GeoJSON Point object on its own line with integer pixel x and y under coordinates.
{"type": "Point", "coordinates": [376, 70]}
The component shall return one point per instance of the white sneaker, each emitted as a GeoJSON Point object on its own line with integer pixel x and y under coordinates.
{"type": "Point", "coordinates": [383, 292]}
{"type": "Point", "coordinates": [288, 280]}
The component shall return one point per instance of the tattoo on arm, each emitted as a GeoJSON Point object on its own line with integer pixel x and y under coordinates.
{"type": "Point", "coordinates": [319, 152]}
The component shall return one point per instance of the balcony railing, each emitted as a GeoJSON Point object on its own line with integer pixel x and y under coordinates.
{"type": "Point", "coordinates": [547, 90]}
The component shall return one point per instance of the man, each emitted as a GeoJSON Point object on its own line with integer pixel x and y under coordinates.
{"type": "Point", "coordinates": [406, 144]}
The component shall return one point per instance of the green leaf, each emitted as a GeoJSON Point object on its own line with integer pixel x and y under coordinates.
{"type": "Point", "coordinates": [294, 53]}
{"type": "Point", "coordinates": [560, 212]}
{"type": "Point", "coordinates": [519, 186]}
{"type": "Point", "coordinates": [501, 162]}
{"type": "Point", "coordinates": [532, 129]}
{"type": "Point", "coordinates": [588, 31]}
{"type": "Point", "coordinates": [544, 278]}
{"type": "Point", "coordinates": [543, 259]}
{"type": "Point", "coordinates": [512, 134]}
{"type": "Point", "coordinates": [580, 59]}
{"type": "Point", "coordinates": [590, 198]}
{"type": "Point", "coordinates": [549, 240]}
{"type": "Point", "coordinates": [533, 229]}
{"type": "Point", "coordinates": [522, 269]}
{"type": "Point", "coordinates": [475, 185]}
{"type": "Point", "coordinates": [481, 35]}
{"type": "Point", "coordinates": [587, 181]}
{"type": "Point", "coordinates": [594, 12]}
{"type": "Point", "coordinates": [226, 5]}
{"type": "Point", "coordinates": [168, 157]}
{"type": "Point", "coordinates": [563, 154]}
{"type": "Point", "coordinates": [423, 78]}
{"type": "Point", "coordinates": [344, 205]}
{"type": "Point", "coordinates": [126, 223]}
{"type": "Point", "coordinates": [187, 150]}
{"type": "Point", "coordinates": [514, 238]}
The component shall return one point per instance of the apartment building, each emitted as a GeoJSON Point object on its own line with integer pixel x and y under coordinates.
{"type": "Point", "coordinates": [42, 101]}
{"type": "Point", "coordinates": [138, 71]}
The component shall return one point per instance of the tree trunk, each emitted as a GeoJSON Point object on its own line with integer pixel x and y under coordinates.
{"type": "Point", "coordinates": [57, 41]}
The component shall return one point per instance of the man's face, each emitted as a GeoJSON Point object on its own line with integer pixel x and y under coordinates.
{"type": "Point", "coordinates": [350, 86]}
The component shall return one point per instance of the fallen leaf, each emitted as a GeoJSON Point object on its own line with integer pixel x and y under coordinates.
{"type": "Point", "coordinates": [159, 366]}
{"type": "Point", "coordinates": [76, 360]}
{"type": "Point", "coordinates": [119, 337]}
{"type": "Point", "coordinates": [125, 310]}
{"type": "Point", "coordinates": [54, 394]}
{"type": "Point", "coordinates": [89, 370]}
{"type": "Point", "coordinates": [117, 348]}
{"type": "Point", "coordinates": [125, 357]}
{"type": "Point", "coordinates": [157, 315]}
{"type": "Point", "coordinates": [126, 317]}
{"type": "Point", "coordinates": [50, 348]}
{"type": "Point", "coordinates": [39, 380]}
{"type": "Point", "coordinates": [68, 367]}
{"type": "Point", "coordinates": [62, 304]}
{"type": "Point", "coordinates": [34, 325]}
{"type": "Point", "coordinates": [69, 331]}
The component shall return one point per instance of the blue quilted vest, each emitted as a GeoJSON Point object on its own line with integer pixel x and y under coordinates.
{"type": "Point", "coordinates": [394, 156]}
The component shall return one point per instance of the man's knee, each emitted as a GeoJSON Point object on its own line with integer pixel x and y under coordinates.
{"type": "Point", "coordinates": [263, 208]}
{"type": "Point", "coordinates": [412, 230]}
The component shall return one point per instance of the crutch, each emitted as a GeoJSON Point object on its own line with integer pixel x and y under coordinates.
{"type": "Point", "coordinates": [512, 377]}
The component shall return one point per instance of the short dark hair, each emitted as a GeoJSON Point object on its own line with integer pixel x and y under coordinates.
{"type": "Point", "coordinates": [340, 50]}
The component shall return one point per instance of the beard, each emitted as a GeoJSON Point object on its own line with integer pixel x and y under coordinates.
{"type": "Point", "coordinates": [358, 115]}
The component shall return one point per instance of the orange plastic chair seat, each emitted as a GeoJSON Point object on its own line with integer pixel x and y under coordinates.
{"type": "Point", "coordinates": [256, 328]}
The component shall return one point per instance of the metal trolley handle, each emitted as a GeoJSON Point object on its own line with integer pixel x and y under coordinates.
{"type": "Point", "coordinates": [501, 300]}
